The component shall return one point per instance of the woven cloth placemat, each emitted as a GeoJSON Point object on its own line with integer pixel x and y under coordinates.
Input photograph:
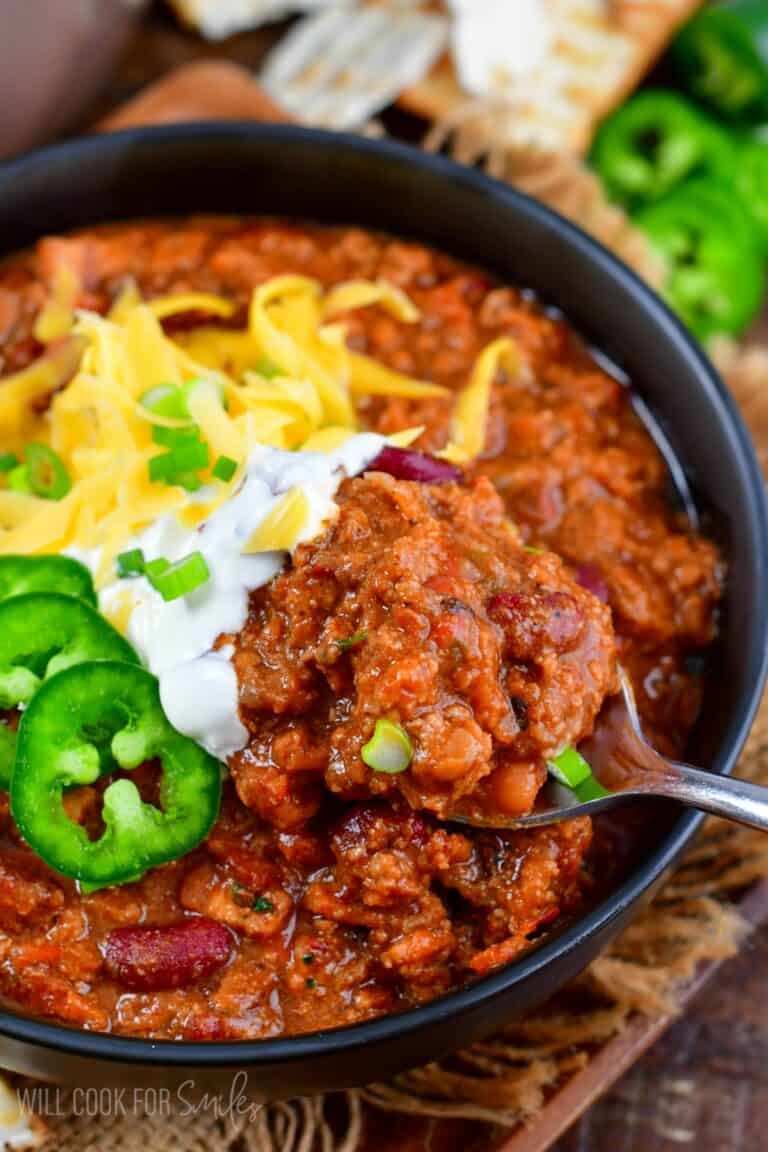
{"type": "Point", "coordinates": [507, 1078]}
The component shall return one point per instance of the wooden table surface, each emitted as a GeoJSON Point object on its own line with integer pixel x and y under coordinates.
{"type": "Point", "coordinates": [704, 1085]}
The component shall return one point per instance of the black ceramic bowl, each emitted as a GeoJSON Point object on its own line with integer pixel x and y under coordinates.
{"type": "Point", "coordinates": [293, 172]}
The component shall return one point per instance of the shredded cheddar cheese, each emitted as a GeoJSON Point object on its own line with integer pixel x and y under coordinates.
{"type": "Point", "coordinates": [470, 415]}
{"type": "Point", "coordinates": [283, 526]}
{"type": "Point", "coordinates": [287, 380]}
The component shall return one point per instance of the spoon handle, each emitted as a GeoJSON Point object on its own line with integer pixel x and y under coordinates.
{"type": "Point", "coordinates": [721, 795]}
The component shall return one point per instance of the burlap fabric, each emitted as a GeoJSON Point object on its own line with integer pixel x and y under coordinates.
{"type": "Point", "coordinates": [507, 1078]}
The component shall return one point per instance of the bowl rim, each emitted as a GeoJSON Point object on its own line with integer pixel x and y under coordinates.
{"type": "Point", "coordinates": [349, 1038]}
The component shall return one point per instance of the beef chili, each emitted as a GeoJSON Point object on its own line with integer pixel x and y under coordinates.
{"type": "Point", "coordinates": [439, 640]}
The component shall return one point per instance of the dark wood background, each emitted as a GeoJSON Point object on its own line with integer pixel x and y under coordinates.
{"type": "Point", "coordinates": [704, 1085]}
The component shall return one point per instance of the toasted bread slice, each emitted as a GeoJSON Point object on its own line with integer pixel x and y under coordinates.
{"type": "Point", "coordinates": [602, 50]}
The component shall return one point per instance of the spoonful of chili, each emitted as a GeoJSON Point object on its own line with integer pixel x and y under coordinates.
{"type": "Point", "coordinates": [618, 764]}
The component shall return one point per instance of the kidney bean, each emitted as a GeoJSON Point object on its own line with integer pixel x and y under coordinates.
{"type": "Point", "coordinates": [590, 578]}
{"type": "Point", "coordinates": [406, 464]}
{"type": "Point", "coordinates": [377, 827]}
{"type": "Point", "coordinates": [147, 959]}
{"type": "Point", "coordinates": [530, 622]}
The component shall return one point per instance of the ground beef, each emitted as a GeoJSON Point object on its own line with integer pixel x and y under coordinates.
{"type": "Point", "coordinates": [419, 605]}
{"type": "Point", "coordinates": [341, 901]}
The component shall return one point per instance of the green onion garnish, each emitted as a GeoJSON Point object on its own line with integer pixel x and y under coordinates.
{"type": "Point", "coordinates": [224, 468]}
{"type": "Point", "coordinates": [352, 641]}
{"type": "Point", "coordinates": [130, 563]}
{"type": "Point", "coordinates": [48, 476]}
{"type": "Point", "coordinates": [178, 465]}
{"type": "Point", "coordinates": [590, 789]}
{"type": "Point", "coordinates": [166, 400]}
{"type": "Point", "coordinates": [569, 768]}
{"type": "Point", "coordinates": [153, 568]}
{"type": "Point", "coordinates": [8, 461]}
{"type": "Point", "coordinates": [170, 437]}
{"type": "Point", "coordinates": [179, 579]}
{"type": "Point", "coordinates": [18, 479]}
{"type": "Point", "coordinates": [267, 368]}
{"type": "Point", "coordinates": [389, 749]}
{"type": "Point", "coordinates": [189, 386]}
{"type": "Point", "coordinates": [261, 904]}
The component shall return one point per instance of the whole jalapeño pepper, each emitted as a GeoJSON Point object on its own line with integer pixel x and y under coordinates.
{"type": "Point", "coordinates": [89, 722]}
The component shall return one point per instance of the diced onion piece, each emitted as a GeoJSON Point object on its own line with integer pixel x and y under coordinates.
{"type": "Point", "coordinates": [389, 749]}
{"type": "Point", "coordinates": [569, 768]}
{"type": "Point", "coordinates": [470, 415]}
{"type": "Point", "coordinates": [281, 529]}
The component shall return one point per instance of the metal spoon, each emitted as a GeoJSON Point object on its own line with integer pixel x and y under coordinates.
{"type": "Point", "coordinates": [627, 768]}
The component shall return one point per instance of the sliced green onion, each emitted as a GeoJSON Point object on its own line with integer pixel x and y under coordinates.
{"type": "Point", "coordinates": [389, 749]}
{"type": "Point", "coordinates": [172, 467]}
{"type": "Point", "coordinates": [166, 400]}
{"type": "Point", "coordinates": [130, 563]}
{"type": "Point", "coordinates": [189, 480]}
{"type": "Point", "coordinates": [48, 476]}
{"type": "Point", "coordinates": [154, 568]}
{"type": "Point", "coordinates": [590, 789]}
{"type": "Point", "coordinates": [190, 454]}
{"type": "Point", "coordinates": [352, 641]}
{"type": "Point", "coordinates": [170, 437]}
{"type": "Point", "coordinates": [8, 461]}
{"type": "Point", "coordinates": [224, 468]}
{"type": "Point", "coordinates": [181, 578]}
{"type": "Point", "coordinates": [18, 479]}
{"type": "Point", "coordinates": [569, 768]}
{"type": "Point", "coordinates": [267, 368]}
{"type": "Point", "coordinates": [535, 551]}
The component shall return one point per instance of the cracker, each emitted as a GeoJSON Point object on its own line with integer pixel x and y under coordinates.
{"type": "Point", "coordinates": [341, 66]}
{"type": "Point", "coordinates": [602, 52]}
{"type": "Point", "coordinates": [216, 19]}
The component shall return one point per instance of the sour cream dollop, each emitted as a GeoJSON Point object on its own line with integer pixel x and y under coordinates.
{"type": "Point", "coordinates": [496, 42]}
{"type": "Point", "coordinates": [175, 640]}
